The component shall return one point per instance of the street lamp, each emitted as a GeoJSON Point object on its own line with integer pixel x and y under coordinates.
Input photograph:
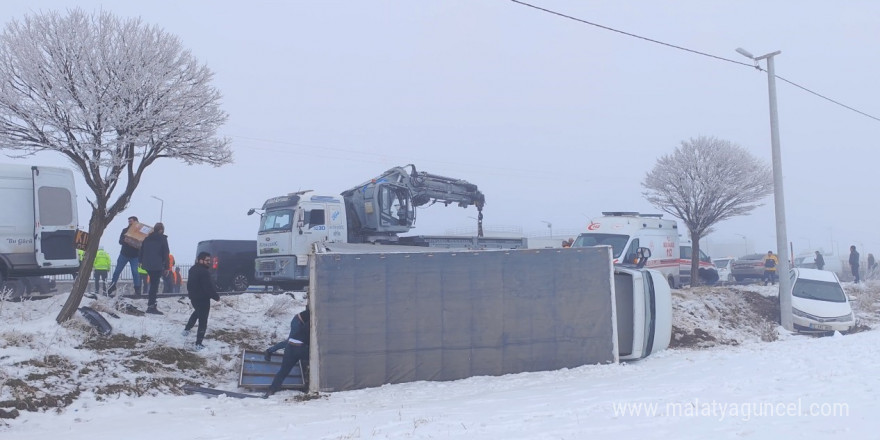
{"type": "Point", "coordinates": [161, 207]}
{"type": "Point", "coordinates": [778, 194]}
{"type": "Point", "coordinates": [549, 226]}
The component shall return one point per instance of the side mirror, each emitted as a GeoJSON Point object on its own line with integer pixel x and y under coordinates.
{"type": "Point", "coordinates": [644, 253]}
{"type": "Point", "coordinates": [251, 211]}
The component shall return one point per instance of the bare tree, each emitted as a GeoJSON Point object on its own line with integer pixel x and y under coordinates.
{"type": "Point", "coordinates": [707, 180]}
{"type": "Point", "coordinates": [112, 96]}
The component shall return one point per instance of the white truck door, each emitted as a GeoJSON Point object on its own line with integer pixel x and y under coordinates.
{"type": "Point", "coordinates": [55, 218]}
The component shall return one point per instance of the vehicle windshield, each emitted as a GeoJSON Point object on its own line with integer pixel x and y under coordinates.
{"type": "Point", "coordinates": [617, 242]}
{"type": "Point", "coordinates": [278, 220]}
{"type": "Point", "coordinates": [818, 290]}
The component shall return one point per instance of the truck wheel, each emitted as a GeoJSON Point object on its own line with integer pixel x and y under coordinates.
{"type": "Point", "coordinates": [15, 289]}
{"type": "Point", "coordinates": [671, 281]}
{"type": "Point", "coordinates": [240, 282]}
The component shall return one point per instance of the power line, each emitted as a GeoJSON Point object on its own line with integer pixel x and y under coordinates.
{"type": "Point", "coordinates": [694, 52]}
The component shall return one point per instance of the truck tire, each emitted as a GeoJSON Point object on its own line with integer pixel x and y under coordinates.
{"type": "Point", "coordinates": [15, 289]}
{"type": "Point", "coordinates": [239, 282]}
{"type": "Point", "coordinates": [671, 281]}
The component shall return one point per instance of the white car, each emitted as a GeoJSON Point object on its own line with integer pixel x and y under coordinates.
{"type": "Point", "coordinates": [724, 266]}
{"type": "Point", "coordinates": [818, 302]}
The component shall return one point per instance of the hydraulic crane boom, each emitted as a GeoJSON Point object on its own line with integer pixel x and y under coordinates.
{"type": "Point", "coordinates": [381, 208]}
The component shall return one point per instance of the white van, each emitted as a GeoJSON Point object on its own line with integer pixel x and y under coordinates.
{"type": "Point", "coordinates": [37, 223]}
{"type": "Point", "coordinates": [625, 232]}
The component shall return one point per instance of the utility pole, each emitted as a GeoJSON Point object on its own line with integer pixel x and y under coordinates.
{"type": "Point", "coordinates": [778, 193]}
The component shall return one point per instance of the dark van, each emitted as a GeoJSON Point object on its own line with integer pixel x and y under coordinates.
{"type": "Point", "coordinates": [232, 263]}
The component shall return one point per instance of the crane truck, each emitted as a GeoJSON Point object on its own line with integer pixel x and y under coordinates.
{"type": "Point", "coordinates": [376, 211]}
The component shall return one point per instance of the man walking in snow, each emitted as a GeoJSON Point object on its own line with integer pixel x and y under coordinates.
{"type": "Point", "coordinates": [200, 290]}
{"type": "Point", "coordinates": [854, 262]}
{"type": "Point", "coordinates": [820, 261]}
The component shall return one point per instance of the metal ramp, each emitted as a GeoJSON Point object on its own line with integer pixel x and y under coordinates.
{"type": "Point", "coordinates": [257, 373]}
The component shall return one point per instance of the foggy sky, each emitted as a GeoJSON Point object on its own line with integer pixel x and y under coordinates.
{"type": "Point", "coordinates": [554, 120]}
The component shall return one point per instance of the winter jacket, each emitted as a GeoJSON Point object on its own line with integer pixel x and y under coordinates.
{"type": "Point", "coordinates": [770, 263]}
{"type": "Point", "coordinates": [199, 285]}
{"type": "Point", "coordinates": [299, 331]}
{"type": "Point", "coordinates": [154, 252]}
{"type": "Point", "coordinates": [854, 259]}
{"type": "Point", "coordinates": [128, 250]}
{"type": "Point", "coordinates": [820, 262]}
{"type": "Point", "coordinates": [102, 260]}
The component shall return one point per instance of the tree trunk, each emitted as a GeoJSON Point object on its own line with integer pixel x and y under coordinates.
{"type": "Point", "coordinates": [695, 259]}
{"type": "Point", "coordinates": [97, 225]}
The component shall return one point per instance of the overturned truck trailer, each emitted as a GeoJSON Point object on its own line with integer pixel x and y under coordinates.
{"type": "Point", "coordinates": [409, 314]}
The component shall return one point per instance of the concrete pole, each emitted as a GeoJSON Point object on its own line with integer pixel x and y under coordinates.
{"type": "Point", "coordinates": [779, 198]}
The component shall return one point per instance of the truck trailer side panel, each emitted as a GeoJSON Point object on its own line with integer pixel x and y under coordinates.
{"type": "Point", "coordinates": [444, 315]}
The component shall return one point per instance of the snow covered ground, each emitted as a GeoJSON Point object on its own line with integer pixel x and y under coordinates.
{"type": "Point", "coordinates": [727, 383]}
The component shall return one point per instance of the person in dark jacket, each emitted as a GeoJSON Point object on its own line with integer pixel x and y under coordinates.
{"type": "Point", "coordinates": [820, 261]}
{"type": "Point", "coordinates": [296, 348]}
{"type": "Point", "coordinates": [154, 259]}
{"type": "Point", "coordinates": [128, 255]}
{"type": "Point", "coordinates": [854, 262]}
{"type": "Point", "coordinates": [201, 291]}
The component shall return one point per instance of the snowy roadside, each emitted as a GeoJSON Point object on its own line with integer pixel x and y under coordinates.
{"type": "Point", "coordinates": [50, 367]}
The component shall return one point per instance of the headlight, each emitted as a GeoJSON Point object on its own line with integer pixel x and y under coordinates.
{"type": "Point", "coordinates": [848, 317]}
{"type": "Point", "coordinates": [802, 314]}
{"type": "Point", "coordinates": [797, 312]}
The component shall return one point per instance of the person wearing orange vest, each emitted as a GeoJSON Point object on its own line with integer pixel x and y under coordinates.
{"type": "Point", "coordinates": [168, 277]}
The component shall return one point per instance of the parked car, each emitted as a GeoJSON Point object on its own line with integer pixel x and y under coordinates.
{"type": "Point", "coordinates": [749, 267]}
{"type": "Point", "coordinates": [818, 302]}
{"type": "Point", "coordinates": [232, 264]}
{"type": "Point", "coordinates": [723, 266]}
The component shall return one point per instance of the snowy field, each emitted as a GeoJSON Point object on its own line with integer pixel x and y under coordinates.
{"type": "Point", "coordinates": [731, 381]}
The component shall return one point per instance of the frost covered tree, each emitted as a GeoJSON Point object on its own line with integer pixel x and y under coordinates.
{"type": "Point", "coordinates": [112, 96]}
{"type": "Point", "coordinates": [707, 180]}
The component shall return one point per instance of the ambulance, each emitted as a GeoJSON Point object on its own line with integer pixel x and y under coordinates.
{"type": "Point", "coordinates": [625, 232]}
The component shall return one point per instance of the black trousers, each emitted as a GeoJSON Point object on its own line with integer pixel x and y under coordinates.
{"type": "Point", "coordinates": [292, 355]}
{"type": "Point", "coordinates": [155, 276]}
{"type": "Point", "coordinates": [100, 275]}
{"type": "Point", "coordinates": [202, 309]}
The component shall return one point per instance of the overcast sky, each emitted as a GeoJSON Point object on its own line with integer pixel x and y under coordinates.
{"type": "Point", "coordinates": [554, 120]}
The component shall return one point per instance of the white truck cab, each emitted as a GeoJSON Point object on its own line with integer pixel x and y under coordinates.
{"type": "Point", "coordinates": [643, 305]}
{"type": "Point", "coordinates": [288, 228]}
{"type": "Point", "coordinates": [625, 232]}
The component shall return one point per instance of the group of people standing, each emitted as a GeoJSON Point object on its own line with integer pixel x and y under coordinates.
{"type": "Point", "coordinates": [153, 257]}
{"type": "Point", "coordinates": [771, 261]}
